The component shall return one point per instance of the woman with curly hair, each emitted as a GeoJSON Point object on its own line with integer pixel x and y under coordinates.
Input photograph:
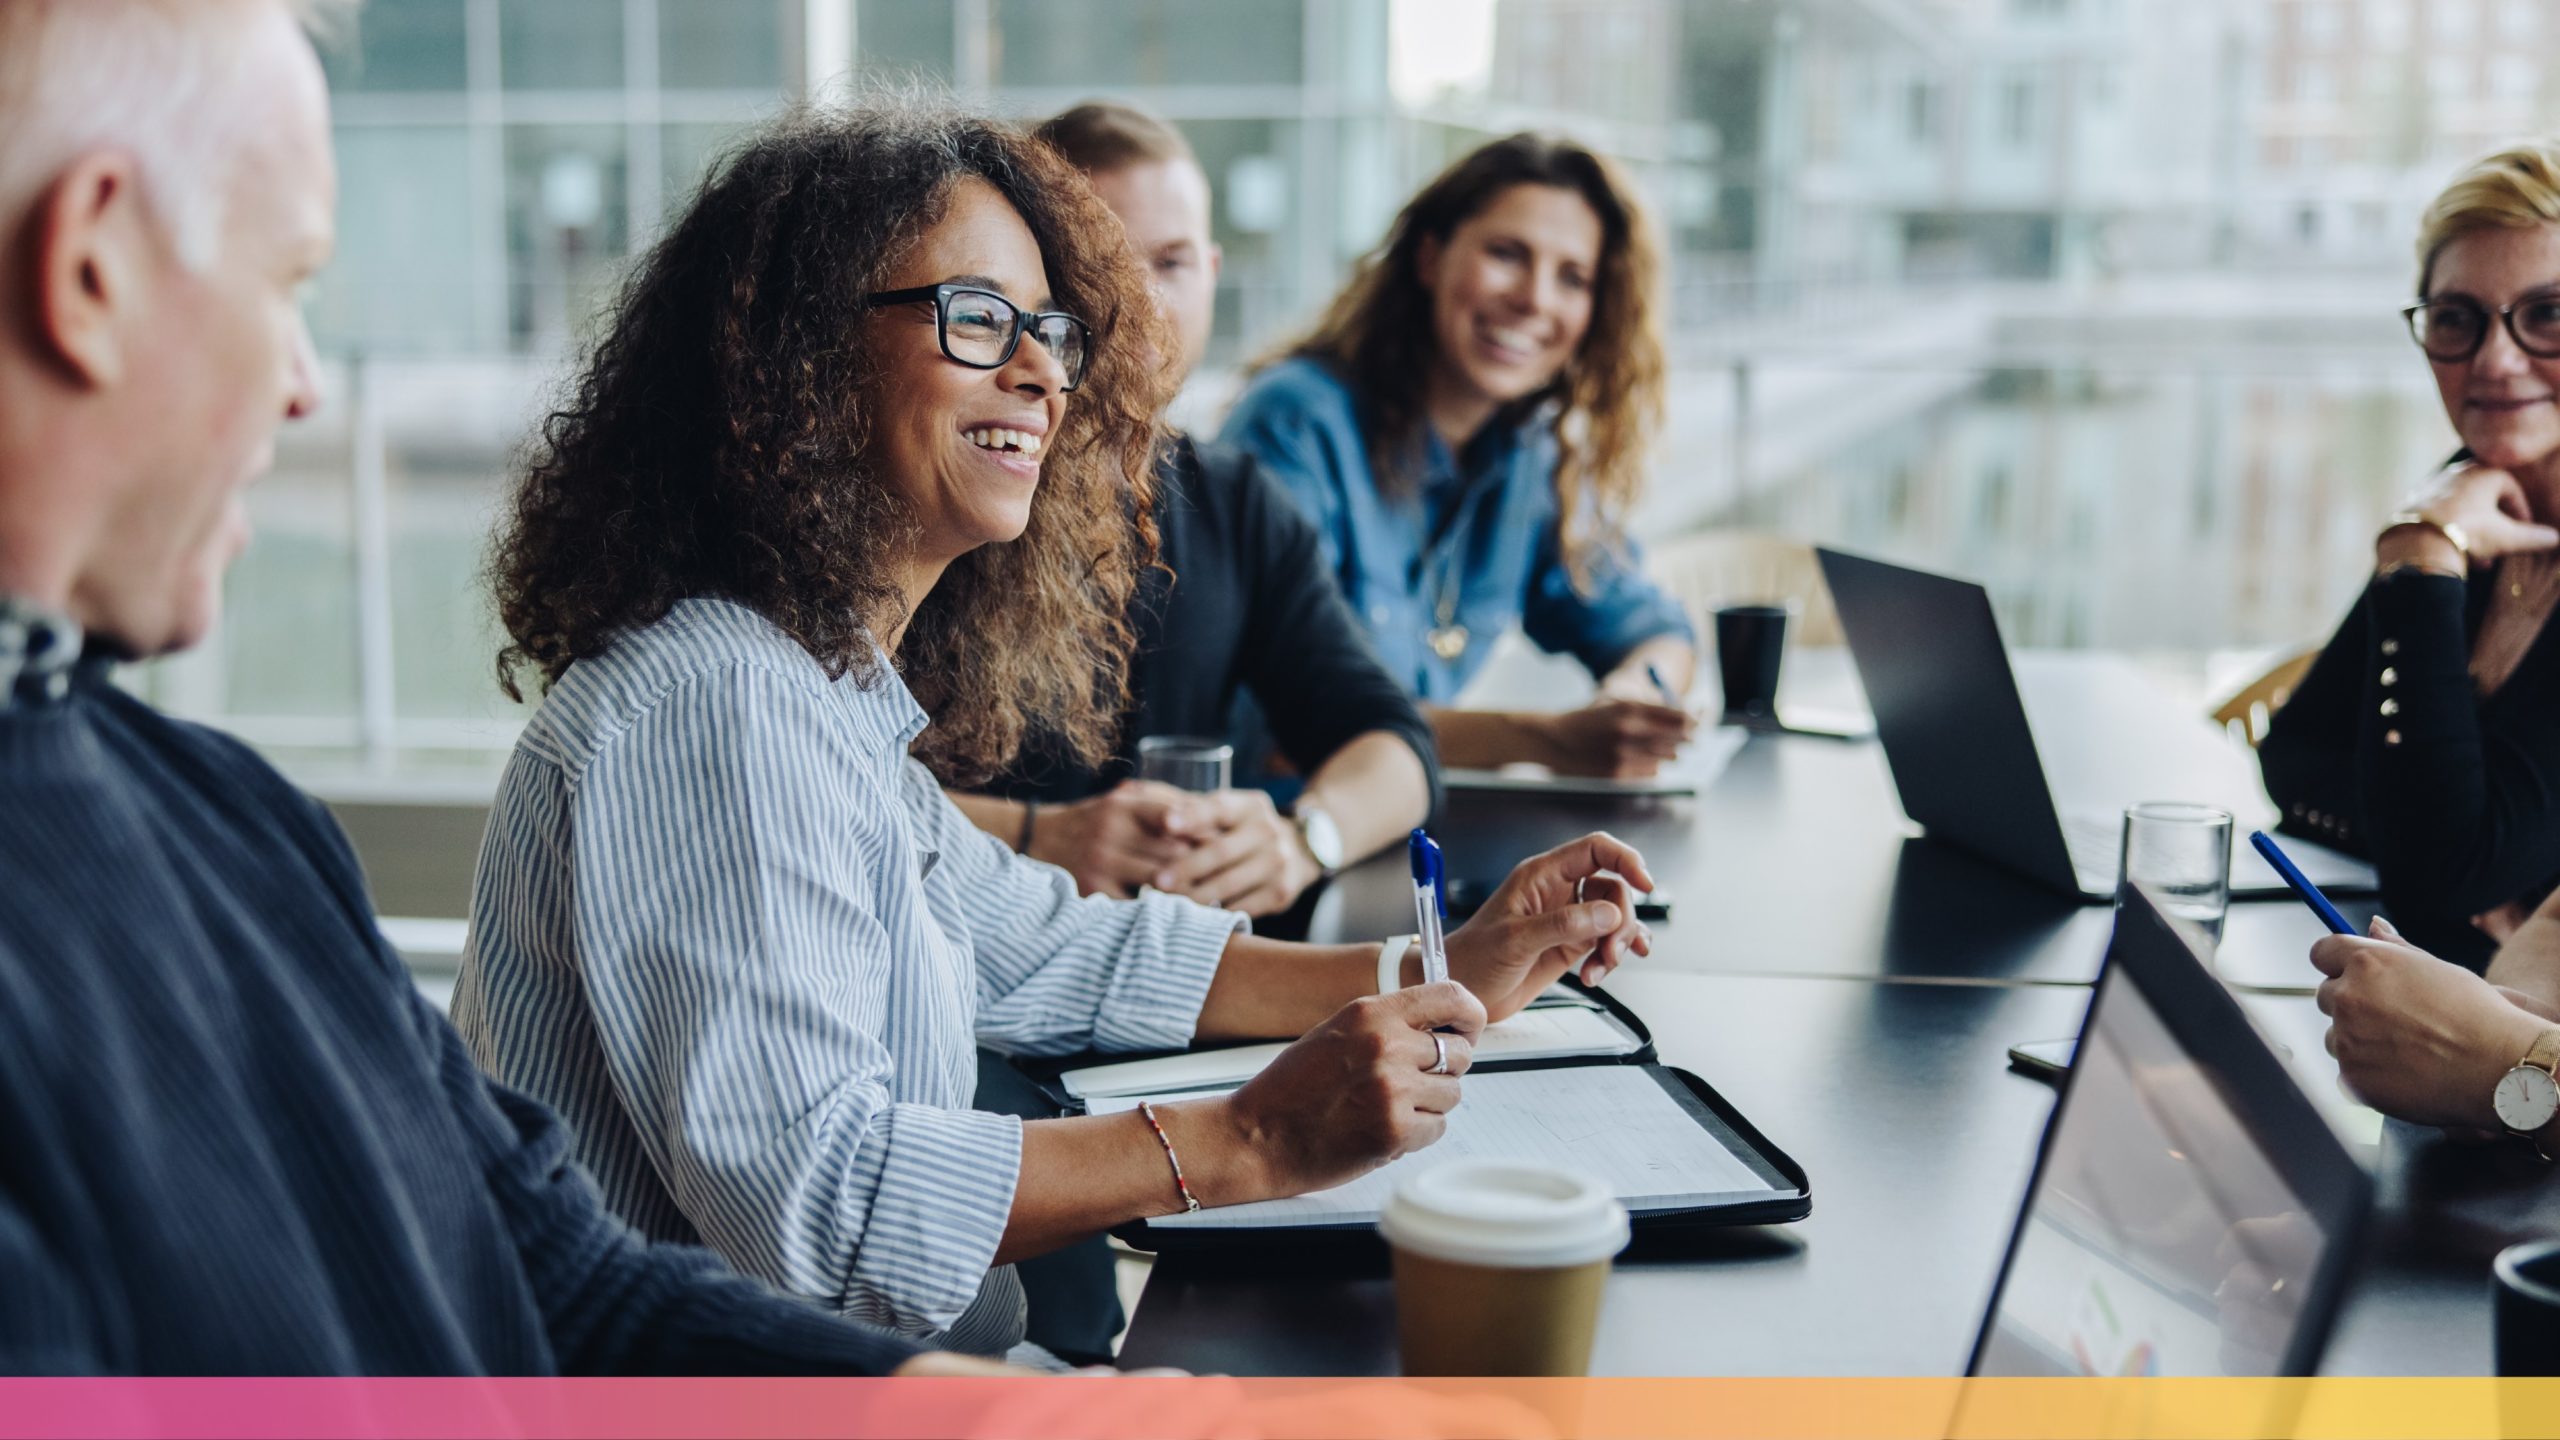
{"type": "Point", "coordinates": [860, 446]}
{"type": "Point", "coordinates": [1467, 427]}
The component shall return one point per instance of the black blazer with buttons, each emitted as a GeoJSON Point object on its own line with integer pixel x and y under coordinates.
{"type": "Point", "coordinates": [2386, 751]}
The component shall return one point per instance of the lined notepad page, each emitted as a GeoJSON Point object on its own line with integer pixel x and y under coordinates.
{"type": "Point", "coordinates": [1612, 1122]}
{"type": "Point", "coordinates": [1555, 1033]}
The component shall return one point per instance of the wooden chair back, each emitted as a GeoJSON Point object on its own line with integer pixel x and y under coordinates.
{"type": "Point", "coordinates": [2248, 713]}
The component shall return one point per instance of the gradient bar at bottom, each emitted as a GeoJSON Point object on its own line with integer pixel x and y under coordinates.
{"type": "Point", "coordinates": [1146, 1408]}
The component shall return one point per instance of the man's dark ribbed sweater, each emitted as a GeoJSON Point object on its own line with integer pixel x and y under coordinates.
{"type": "Point", "coordinates": [234, 1139]}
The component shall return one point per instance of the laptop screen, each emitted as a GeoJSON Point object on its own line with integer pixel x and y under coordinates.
{"type": "Point", "coordinates": [2190, 1210]}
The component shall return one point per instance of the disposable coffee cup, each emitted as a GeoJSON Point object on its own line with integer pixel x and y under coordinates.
{"type": "Point", "coordinates": [1750, 641]}
{"type": "Point", "coordinates": [2526, 1291]}
{"type": "Point", "coordinates": [1499, 1267]}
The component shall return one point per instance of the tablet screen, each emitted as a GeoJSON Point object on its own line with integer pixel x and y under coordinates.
{"type": "Point", "coordinates": [2161, 1237]}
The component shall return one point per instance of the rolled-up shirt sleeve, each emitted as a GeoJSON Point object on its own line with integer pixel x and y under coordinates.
{"type": "Point", "coordinates": [1059, 972]}
{"type": "Point", "coordinates": [1602, 621]}
{"type": "Point", "coordinates": [741, 983]}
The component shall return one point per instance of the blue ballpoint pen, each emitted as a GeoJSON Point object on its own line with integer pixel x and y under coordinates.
{"type": "Point", "coordinates": [2301, 884]}
{"type": "Point", "coordinates": [1429, 900]}
{"type": "Point", "coordinates": [1670, 696]}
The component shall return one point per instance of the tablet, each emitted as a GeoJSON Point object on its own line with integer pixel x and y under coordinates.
{"type": "Point", "coordinates": [1675, 1153]}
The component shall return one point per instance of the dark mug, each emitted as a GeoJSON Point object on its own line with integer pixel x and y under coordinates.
{"type": "Point", "coordinates": [2526, 1288]}
{"type": "Point", "coordinates": [1750, 641]}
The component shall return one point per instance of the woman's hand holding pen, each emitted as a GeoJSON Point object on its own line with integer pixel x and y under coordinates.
{"type": "Point", "coordinates": [1615, 737]}
{"type": "Point", "coordinates": [1350, 1095]}
{"type": "Point", "coordinates": [2415, 1036]}
{"type": "Point", "coordinates": [1572, 908]}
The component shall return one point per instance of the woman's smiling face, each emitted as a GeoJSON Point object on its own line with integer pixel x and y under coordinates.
{"type": "Point", "coordinates": [1512, 291]}
{"type": "Point", "coordinates": [963, 446]}
{"type": "Point", "coordinates": [2501, 400]}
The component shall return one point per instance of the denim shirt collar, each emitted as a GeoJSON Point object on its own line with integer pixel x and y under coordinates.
{"type": "Point", "coordinates": [39, 654]}
{"type": "Point", "coordinates": [1455, 482]}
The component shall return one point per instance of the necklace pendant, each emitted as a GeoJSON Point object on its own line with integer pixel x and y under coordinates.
{"type": "Point", "coordinates": [1449, 642]}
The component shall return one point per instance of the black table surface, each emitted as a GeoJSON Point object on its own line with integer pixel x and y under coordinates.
{"type": "Point", "coordinates": [1798, 859]}
{"type": "Point", "coordinates": [1895, 1098]}
{"type": "Point", "coordinates": [1854, 990]}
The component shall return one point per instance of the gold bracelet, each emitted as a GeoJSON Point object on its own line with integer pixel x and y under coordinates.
{"type": "Point", "coordinates": [2452, 533]}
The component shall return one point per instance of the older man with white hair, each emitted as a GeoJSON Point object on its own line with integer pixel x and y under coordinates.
{"type": "Point", "coordinates": [232, 1137]}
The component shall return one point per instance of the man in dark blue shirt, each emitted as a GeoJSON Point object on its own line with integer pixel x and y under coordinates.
{"type": "Point", "coordinates": [233, 1139]}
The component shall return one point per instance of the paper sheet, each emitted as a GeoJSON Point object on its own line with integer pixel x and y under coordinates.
{"type": "Point", "coordinates": [1696, 768]}
{"type": "Point", "coordinates": [1613, 1122]}
{"type": "Point", "coordinates": [1538, 1033]}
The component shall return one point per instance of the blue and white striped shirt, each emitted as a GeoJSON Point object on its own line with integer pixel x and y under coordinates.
{"type": "Point", "coordinates": [740, 939]}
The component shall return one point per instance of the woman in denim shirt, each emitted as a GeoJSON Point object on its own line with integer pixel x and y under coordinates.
{"type": "Point", "coordinates": [1466, 426]}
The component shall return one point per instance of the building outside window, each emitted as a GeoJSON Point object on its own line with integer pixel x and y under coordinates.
{"type": "Point", "coordinates": [503, 160]}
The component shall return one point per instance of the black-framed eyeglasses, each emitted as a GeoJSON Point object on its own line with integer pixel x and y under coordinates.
{"type": "Point", "coordinates": [981, 329]}
{"type": "Point", "coordinates": [2452, 331]}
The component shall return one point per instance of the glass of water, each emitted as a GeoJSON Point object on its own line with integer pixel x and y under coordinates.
{"type": "Point", "coordinates": [1186, 762]}
{"type": "Point", "coordinates": [2181, 853]}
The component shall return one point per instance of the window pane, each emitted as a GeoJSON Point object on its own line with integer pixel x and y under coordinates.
{"type": "Point", "coordinates": [403, 278]}
{"type": "Point", "coordinates": [687, 153]}
{"type": "Point", "coordinates": [448, 432]}
{"type": "Point", "coordinates": [1252, 169]}
{"type": "Point", "coordinates": [403, 45]}
{"type": "Point", "coordinates": [566, 228]}
{"type": "Point", "coordinates": [904, 36]}
{"type": "Point", "coordinates": [561, 44]}
{"type": "Point", "coordinates": [288, 628]}
{"type": "Point", "coordinates": [726, 44]}
{"type": "Point", "coordinates": [1147, 42]}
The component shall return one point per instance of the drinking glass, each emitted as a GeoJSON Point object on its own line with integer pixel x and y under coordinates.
{"type": "Point", "coordinates": [1186, 762]}
{"type": "Point", "coordinates": [2181, 853]}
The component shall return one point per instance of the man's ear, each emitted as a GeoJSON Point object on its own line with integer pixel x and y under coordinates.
{"type": "Point", "coordinates": [92, 245]}
{"type": "Point", "coordinates": [1217, 262]}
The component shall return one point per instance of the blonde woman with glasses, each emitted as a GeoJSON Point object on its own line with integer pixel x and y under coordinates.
{"type": "Point", "coordinates": [2422, 736]}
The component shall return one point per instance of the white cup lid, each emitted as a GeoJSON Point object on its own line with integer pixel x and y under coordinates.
{"type": "Point", "coordinates": [1505, 1214]}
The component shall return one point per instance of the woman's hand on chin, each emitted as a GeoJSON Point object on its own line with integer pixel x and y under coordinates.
{"type": "Point", "coordinates": [2488, 507]}
{"type": "Point", "coordinates": [1572, 908]}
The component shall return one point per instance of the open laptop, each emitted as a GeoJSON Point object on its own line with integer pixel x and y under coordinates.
{"type": "Point", "coordinates": [2190, 1213]}
{"type": "Point", "coordinates": [1955, 733]}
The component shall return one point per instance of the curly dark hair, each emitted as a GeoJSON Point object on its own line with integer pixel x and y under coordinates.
{"type": "Point", "coordinates": [718, 443]}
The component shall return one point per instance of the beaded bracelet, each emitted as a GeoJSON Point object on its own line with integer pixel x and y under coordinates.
{"type": "Point", "coordinates": [1190, 1202]}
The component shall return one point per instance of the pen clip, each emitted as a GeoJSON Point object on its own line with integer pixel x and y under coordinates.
{"type": "Point", "coordinates": [1428, 868]}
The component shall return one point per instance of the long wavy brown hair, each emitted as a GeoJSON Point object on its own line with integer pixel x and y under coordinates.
{"type": "Point", "coordinates": [718, 443]}
{"type": "Point", "coordinates": [1605, 405]}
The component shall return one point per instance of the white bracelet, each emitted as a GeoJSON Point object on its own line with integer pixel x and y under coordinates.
{"type": "Point", "coordinates": [1391, 961]}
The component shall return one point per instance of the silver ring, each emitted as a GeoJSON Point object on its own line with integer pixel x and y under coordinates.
{"type": "Point", "coordinates": [1439, 1055]}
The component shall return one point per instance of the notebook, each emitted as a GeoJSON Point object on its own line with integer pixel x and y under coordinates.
{"type": "Point", "coordinates": [1618, 1123]}
{"type": "Point", "coordinates": [1568, 1081]}
{"type": "Point", "coordinates": [1561, 1031]}
{"type": "Point", "coordinates": [1697, 767]}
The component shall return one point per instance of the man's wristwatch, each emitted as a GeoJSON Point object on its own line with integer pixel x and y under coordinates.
{"type": "Point", "coordinates": [1321, 836]}
{"type": "Point", "coordinates": [2528, 1096]}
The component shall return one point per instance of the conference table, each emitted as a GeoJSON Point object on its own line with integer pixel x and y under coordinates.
{"type": "Point", "coordinates": [1853, 988]}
